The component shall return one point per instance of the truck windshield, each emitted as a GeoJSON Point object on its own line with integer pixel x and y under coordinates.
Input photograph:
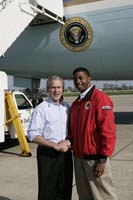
{"type": "Point", "coordinates": [22, 102]}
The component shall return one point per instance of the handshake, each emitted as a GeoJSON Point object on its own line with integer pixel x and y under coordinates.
{"type": "Point", "coordinates": [63, 146]}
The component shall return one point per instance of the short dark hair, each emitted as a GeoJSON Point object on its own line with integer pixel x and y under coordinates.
{"type": "Point", "coordinates": [81, 69]}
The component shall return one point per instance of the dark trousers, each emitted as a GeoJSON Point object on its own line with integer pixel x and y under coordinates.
{"type": "Point", "coordinates": [55, 172]}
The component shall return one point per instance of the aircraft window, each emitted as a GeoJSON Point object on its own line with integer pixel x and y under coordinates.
{"type": "Point", "coordinates": [22, 102]}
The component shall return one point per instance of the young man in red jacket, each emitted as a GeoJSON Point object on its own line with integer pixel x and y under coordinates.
{"type": "Point", "coordinates": [93, 136]}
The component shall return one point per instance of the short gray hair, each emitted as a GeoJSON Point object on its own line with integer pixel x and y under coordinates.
{"type": "Point", "coordinates": [54, 77]}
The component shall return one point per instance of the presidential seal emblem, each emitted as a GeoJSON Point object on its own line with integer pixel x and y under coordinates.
{"type": "Point", "coordinates": [76, 34]}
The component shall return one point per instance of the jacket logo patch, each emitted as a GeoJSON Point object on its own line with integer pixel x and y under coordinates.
{"type": "Point", "coordinates": [88, 105]}
{"type": "Point", "coordinates": [106, 108]}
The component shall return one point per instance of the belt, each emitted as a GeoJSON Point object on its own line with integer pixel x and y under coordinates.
{"type": "Point", "coordinates": [47, 151]}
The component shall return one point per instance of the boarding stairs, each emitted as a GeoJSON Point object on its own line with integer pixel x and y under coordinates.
{"type": "Point", "coordinates": [15, 16]}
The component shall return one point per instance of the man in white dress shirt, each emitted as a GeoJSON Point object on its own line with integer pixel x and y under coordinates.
{"type": "Point", "coordinates": [48, 128]}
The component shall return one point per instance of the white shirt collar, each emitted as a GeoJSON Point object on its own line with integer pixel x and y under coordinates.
{"type": "Point", "coordinates": [82, 95]}
{"type": "Point", "coordinates": [53, 102]}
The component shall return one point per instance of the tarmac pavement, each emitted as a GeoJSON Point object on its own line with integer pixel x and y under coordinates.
{"type": "Point", "coordinates": [18, 175]}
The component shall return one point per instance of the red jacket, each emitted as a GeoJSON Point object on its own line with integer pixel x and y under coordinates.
{"type": "Point", "coordinates": [92, 126]}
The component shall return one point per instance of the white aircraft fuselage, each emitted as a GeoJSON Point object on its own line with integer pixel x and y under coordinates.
{"type": "Point", "coordinates": [39, 53]}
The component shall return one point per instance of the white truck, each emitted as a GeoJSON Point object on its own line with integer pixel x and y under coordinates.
{"type": "Point", "coordinates": [21, 105]}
